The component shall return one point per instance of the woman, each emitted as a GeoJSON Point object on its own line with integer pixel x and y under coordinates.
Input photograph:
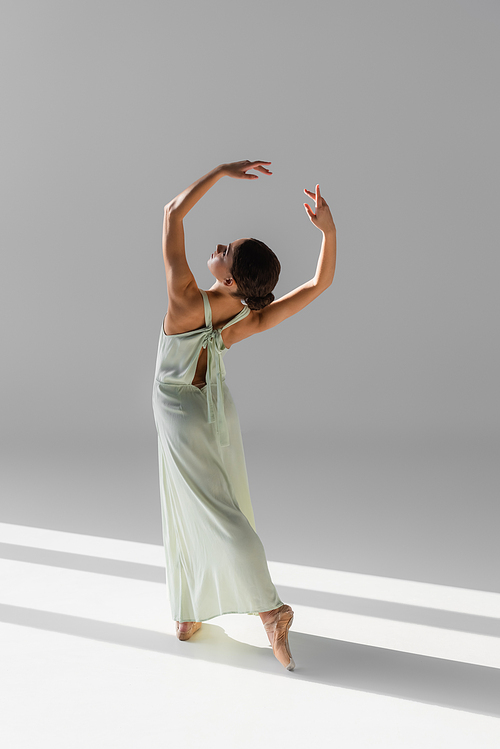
{"type": "Point", "coordinates": [215, 561]}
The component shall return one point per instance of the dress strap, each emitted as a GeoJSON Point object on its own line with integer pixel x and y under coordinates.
{"type": "Point", "coordinates": [208, 309]}
{"type": "Point", "coordinates": [241, 314]}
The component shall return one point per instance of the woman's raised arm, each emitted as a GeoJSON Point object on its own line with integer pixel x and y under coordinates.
{"type": "Point", "coordinates": [303, 295]}
{"type": "Point", "coordinates": [183, 203]}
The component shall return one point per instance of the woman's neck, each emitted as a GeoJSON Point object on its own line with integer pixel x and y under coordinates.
{"type": "Point", "coordinates": [225, 294]}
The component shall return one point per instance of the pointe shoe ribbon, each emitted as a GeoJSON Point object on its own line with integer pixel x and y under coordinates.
{"type": "Point", "coordinates": [186, 634]}
{"type": "Point", "coordinates": [277, 632]}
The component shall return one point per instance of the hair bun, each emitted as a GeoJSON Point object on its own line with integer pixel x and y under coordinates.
{"type": "Point", "coordinates": [259, 302]}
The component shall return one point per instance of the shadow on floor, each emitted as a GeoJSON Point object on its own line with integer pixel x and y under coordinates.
{"type": "Point", "coordinates": [481, 625]}
{"type": "Point", "coordinates": [436, 681]}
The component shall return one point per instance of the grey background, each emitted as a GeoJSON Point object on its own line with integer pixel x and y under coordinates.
{"type": "Point", "coordinates": [371, 418]}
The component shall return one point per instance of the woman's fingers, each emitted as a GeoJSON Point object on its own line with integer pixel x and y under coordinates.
{"type": "Point", "coordinates": [257, 166]}
{"type": "Point", "coordinates": [262, 169]}
{"type": "Point", "coordinates": [316, 196]}
{"type": "Point", "coordinates": [239, 169]}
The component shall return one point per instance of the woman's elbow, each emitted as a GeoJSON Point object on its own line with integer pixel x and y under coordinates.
{"type": "Point", "coordinates": [329, 280]}
{"type": "Point", "coordinates": [323, 285]}
{"type": "Point", "coordinates": [171, 207]}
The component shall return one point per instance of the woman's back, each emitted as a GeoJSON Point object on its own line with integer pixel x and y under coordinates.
{"type": "Point", "coordinates": [192, 316]}
{"type": "Point", "coordinates": [184, 357]}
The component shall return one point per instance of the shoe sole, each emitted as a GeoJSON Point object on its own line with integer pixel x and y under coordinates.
{"type": "Point", "coordinates": [291, 665]}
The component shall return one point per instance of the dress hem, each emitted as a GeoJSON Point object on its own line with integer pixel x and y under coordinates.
{"type": "Point", "coordinates": [223, 613]}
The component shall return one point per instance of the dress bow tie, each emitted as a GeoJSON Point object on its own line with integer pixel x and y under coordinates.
{"type": "Point", "coordinates": [212, 341]}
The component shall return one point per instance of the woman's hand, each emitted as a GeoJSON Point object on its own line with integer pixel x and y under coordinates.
{"type": "Point", "coordinates": [322, 218]}
{"type": "Point", "coordinates": [238, 169]}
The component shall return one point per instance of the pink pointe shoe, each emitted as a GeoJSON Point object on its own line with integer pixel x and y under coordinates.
{"type": "Point", "coordinates": [277, 632]}
{"type": "Point", "coordinates": [184, 630]}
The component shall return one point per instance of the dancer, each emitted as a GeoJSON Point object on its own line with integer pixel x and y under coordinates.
{"type": "Point", "coordinates": [215, 560]}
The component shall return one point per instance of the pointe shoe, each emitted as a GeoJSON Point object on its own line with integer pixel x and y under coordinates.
{"type": "Point", "coordinates": [277, 632]}
{"type": "Point", "coordinates": [186, 634]}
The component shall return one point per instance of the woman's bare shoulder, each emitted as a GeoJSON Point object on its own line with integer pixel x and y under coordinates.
{"type": "Point", "coordinates": [242, 329]}
{"type": "Point", "coordinates": [185, 313]}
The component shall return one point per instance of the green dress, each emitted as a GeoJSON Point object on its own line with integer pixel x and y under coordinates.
{"type": "Point", "coordinates": [215, 561]}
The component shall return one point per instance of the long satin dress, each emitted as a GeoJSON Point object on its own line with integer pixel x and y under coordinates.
{"type": "Point", "coordinates": [215, 561]}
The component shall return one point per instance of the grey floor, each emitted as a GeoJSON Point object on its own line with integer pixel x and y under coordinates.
{"type": "Point", "coordinates": [385, 545]}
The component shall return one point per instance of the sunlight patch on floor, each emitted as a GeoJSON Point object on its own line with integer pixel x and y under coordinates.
{"type": "Point", "coordinates": [84, 653]}
{"type": "Point", "coordinates": [144, 604]}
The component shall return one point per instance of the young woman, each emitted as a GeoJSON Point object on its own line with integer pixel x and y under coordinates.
{"type": "Point", "coordinates": [215, 561]}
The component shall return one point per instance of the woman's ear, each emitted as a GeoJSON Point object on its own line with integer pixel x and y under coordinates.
{"type": "Point", "coordinates": [229, 281]}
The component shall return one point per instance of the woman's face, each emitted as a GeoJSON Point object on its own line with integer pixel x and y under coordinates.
{"type": "Point", "coordinates": [221, 261]}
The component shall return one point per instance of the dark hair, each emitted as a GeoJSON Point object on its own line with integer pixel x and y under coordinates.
{"type": "Point", "coordinates": [256, 271]}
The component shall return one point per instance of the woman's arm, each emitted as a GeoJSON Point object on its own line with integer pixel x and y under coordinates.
{"type": "Point", "coordinates": [300, 297]}
{"type": "Point", "coordinates": [296, 300]}
{"type": "Point", "coordinates": [183, 203]}
{"type": "Point", "coordinates": [177, 270]}
{"type": "Point", "coordinates": [303, 295]}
